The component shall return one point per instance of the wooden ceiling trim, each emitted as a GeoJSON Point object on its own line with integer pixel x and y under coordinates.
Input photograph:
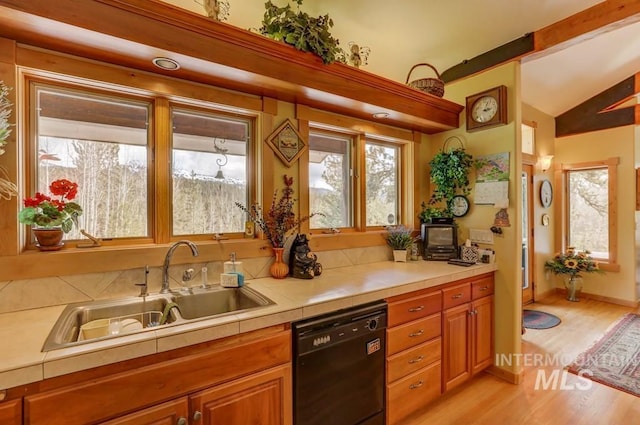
{"type": "Point", "coordinates": [598, 19]}
{"type": "Point", "coordinates": [212, 52]}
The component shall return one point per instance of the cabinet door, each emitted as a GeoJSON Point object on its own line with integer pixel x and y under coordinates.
{"type": "Point", "coordinates": [456, 346]}
{"type": "Point", "coordinates": [173, 412]}
{"type": "Point", "coordinates": [11, 412]}
{"type": "Point", "coordinates": [482, 334]}
{"type": "Point", "coordinates": [264, 398]}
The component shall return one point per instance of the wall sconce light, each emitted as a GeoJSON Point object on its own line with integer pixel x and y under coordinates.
{"type": "Point", "coordinates": [220, 161]}
{"type": "Point", "coordinates": [502, 216]}
{"type": "Point", "coordinates": [545, 162]}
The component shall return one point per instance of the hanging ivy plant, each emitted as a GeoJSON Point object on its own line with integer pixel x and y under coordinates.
{"type": "Point", "coordinates": [450, 175]}
{"type": "Point", "coordinates": [302, 31]}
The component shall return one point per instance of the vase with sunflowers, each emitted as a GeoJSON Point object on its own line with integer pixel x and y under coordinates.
{"type": "Point", "coordinates": [572, 264]}
{"type": "Point", "coordinates": [53, 215]}
{"type": "Point", "coordinates": [276, 223]}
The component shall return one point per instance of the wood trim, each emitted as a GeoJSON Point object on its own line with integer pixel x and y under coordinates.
{"type": "Point", "coordinates": [506, 375]}
{"type": "Point", "coordinates": [215, 53]}
{"type": "Point", "coordinates": [158, 381]}
{"type": "Point", "coordinates": [160, 202]}
{"type": "Point", "coordinates": [637, 189]}
{"type": "Point", "coordinates": [610, 300]}
{"type": "Point", "coordinates": [600, 18]}
{"type": "Point", "coordinates": [303, 177]}
{"type": "Point", "coordinates": [353, 124]}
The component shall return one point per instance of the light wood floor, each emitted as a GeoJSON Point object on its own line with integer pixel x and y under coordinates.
{"type": "Point", "coordinates": [486, 399]}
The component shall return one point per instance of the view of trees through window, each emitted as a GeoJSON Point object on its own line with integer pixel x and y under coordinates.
{"type": "Point", "coordinates": [589, 210]}
{"type": "Point", "coordinates": [381, 163]}
{"type": "Point", "coordinates": [209, 172]}
{"type": "Point", "coordinates": [100, 143]}
{"type": "Point", "coordinates": [329, 181]}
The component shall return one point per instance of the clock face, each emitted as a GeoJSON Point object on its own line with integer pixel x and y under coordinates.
{"type": "Point", "coordinates": [484, 109]}
{"type": "Point", "coordinates": [546, 193]}
{"type": "Point", "coordinates": [459, 205]}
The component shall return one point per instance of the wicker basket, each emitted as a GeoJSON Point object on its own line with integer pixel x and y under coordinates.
{"type": "Point", "coordinates": [434, 86]}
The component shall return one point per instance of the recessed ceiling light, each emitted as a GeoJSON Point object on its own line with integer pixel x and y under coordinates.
{"type": "Point", "coordinates": [166, 63]}
{"type": "Point", "coordinates": [381, 115]}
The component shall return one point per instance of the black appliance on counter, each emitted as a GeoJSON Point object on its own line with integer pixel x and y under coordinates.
{"type": "Point", "coordinates": [339, 367]}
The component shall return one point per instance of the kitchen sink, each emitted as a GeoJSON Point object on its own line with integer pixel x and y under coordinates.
{"type": "Point", "coordinates": [218, 301]}
{"type": "Point", "coordinates": [81, 323]}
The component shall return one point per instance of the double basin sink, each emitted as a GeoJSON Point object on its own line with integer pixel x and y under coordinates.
{"type": "Point", "coordinates": [81, 323]}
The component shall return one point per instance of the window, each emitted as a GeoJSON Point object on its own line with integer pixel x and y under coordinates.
{"type": "Point", "coordinates": [101, 143]}
{"type": "Point", "coordinates": [209, 171]}
{"type": "Point", "coordinates": [382, 184]}
{"type": "Point", "coordinates": [330, 180]}
{"type": "Point", "coordinates": [590, 220]}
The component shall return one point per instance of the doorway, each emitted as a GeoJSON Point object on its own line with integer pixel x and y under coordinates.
{"type": "Point", "coordinates": [528, 295]}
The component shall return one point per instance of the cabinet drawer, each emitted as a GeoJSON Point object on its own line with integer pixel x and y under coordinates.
{"type": "Point", "coordinates": [412, 359]}
{"type": "Point", "coordinates": [482, 288]}
{"type": "Point", "coordinates": [413, 308]}
{"type": "Point", "coordinates": [413, 333]}
{"type": "Point", "coordinates": [411, 393]}
{"type": "Point", "coordinates": [456, 295]}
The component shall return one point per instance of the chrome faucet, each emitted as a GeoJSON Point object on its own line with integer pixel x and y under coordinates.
{"type": "Point", "coordinates": [167, 259]}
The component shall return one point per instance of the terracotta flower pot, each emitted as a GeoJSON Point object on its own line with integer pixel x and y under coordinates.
{"type": "Point", "coordinates": [49, 239]}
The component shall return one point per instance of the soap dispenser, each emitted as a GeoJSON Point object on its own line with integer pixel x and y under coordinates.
{"type": "Point", "coordinates": [232, 276]}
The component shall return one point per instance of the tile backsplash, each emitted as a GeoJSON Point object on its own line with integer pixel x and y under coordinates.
{"type": "Point", "coordinates": [57, 290]}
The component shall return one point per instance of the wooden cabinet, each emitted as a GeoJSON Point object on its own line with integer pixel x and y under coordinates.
{"type": "Point", "coordinates": [467, 330]}
{"type": "Point", "coordinates": [258, 399]}
{"type": "Point", "coordinates": [11, 412]}
{"type": "Point", "coordinates": [174, 412]}
{"type": "Point", "coordinates": [413, 353]}
{"type": "Point", "coordinates": [239, 371]}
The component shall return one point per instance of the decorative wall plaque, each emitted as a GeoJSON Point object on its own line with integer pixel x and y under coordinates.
{"type": "Point", "coordinates": [287, 143]}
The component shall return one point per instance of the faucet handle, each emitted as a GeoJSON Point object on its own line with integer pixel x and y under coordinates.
{"type": "Point", "coordinates": [144, 285]}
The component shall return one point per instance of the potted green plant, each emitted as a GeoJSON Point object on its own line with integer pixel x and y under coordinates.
{"type": "Point", "coordinates": [400, 239]}
{"type": "Point", "coordinates": [302, 31]}
{"type": "Point", "coordinates": [428, 212]}
{"type": "Point", "coordinates": [450, 175]}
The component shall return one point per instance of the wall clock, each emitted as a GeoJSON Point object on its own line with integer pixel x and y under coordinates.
{"type": "Point", "coordinates": [487, 109]}
{"type": "Point", "coordinates": [546, 193]}
{"type": "Point", "coordinates": [459, 206]}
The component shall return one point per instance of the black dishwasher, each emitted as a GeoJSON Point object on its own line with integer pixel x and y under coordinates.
{"type": "Point", "coordinates": [339, 367]}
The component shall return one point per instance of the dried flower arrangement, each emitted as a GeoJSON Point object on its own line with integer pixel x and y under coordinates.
{"type": "Point", "coordinates": [280, 219]}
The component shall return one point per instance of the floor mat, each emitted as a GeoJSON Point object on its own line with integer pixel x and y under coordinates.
{"type": "Point", "coordinates": [534, 319]}
{"type": "Point", "coordinates": [614, 360]}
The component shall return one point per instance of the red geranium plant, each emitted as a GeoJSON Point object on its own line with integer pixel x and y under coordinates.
{"type": "Point", "coordinates": [44, 211]}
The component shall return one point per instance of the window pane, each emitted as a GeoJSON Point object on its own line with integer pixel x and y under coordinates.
{"type": "Point", "coordinates": [329, 188]}
{"type": "Point", "coordinates": [381, 164]}
{"type": "Point", "coordinates": [209, 170]}
{"type": "Point", "coordinates": [589, 211]}
{"type": "Point", "coordinates": [99, 142]}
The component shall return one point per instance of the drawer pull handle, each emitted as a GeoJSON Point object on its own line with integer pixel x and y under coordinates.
{"type": "Point", "coordinates": [416, 385]}
{"type": "Point", "coordinates": [416, 309]}
{"type": "Point", "coordinates": [456, 296]}
{"type": "Point", "coordinates": [414, 334]}
{"type": "Point", "coordinates": [484, 288]}
{"type": "Point", "coordinates": [416, 360]}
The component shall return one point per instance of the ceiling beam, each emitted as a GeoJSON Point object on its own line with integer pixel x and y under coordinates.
{"type": "Point", "coordinates": [601, 111]}
{"type": "Point", "coordinates": [599, 19]}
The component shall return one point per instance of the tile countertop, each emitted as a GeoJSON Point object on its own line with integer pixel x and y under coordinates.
{"type": "Point", "coordinates": [22, 361]}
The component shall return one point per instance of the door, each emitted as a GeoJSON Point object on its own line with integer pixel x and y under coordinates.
{"type": "Point", "coordinates": [527, 234]}
{"type": "Point", "coordinates": [455, 351]}
{"type": "Point", "coordinates": [263, 398]}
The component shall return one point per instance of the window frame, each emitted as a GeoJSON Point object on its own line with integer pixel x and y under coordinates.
{"type": "Point", "coordinates": [562, 207]}
{"type": "Point", "coordinates": [159, 151]}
